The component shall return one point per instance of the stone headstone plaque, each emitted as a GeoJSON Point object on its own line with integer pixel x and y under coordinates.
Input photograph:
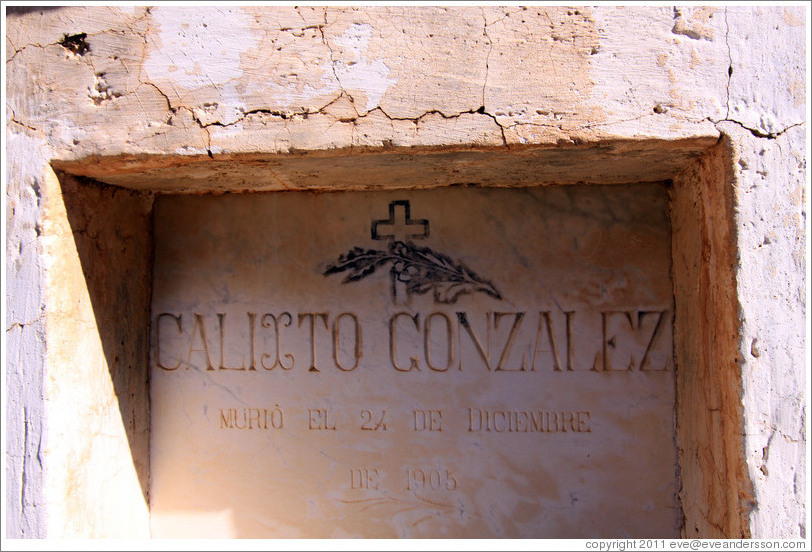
{"type": "Point", "coordinates": [456, 362]}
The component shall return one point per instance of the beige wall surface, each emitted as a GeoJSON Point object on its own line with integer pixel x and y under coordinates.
{"type": "Point", "coordinates": [205, 98]}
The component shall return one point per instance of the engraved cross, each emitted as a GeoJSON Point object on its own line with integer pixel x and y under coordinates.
{"type": "Point", "coordinates": [400, 225]}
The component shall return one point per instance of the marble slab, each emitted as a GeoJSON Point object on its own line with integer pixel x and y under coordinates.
{"type": "Point", "coordinates": [459, 362]}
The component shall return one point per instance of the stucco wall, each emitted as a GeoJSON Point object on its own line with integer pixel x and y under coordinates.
{"type": "Point", "coordinates": [85, 84]}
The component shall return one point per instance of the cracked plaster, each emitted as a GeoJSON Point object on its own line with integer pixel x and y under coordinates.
{"type": "Point", "coordinates": [311, 55]}
{"type": "Point", "coordinates": [277, 80]}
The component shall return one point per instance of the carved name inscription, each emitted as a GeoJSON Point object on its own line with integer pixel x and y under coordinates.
{"type": "Point", "coordinates": [435, 341]}
{"type": "Point", "coordinates": [318, 373]}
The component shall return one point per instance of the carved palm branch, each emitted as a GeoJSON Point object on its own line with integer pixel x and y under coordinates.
{"type": "Point", "coordinates": [420, 268]}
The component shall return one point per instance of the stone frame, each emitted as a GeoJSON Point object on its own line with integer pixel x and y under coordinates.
{"type": "Point", "coordinates": [99, 215]}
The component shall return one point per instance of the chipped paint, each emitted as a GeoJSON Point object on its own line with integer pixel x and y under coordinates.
{"type": "Point", "coordinates": [359, 73]}
{"type": "Point", "coordinates": [199, 47]}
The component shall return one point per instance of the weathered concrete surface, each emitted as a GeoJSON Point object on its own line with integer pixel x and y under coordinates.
{"type": "Point", "coordinates": [766, 119]}
{"type": "Point", "coordinates": [312, 78]}
{"type": "Point", "coordinates": [716, 491]}
{"type": "Point", "coordinates": [25, 343]}
{"type": "Point", "coordinates": [607, 162]}
{"type": "Point", "coordinates": [208, 81]}
{"type": "Point", "coordinates": [772, 291]}
{"type": "Point", "coordinates": [98, 286]}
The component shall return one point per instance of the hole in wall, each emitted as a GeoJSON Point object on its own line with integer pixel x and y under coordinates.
{"type": "Point", "coordinates": [75, 44]}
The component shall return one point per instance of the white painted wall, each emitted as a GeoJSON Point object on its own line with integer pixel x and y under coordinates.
{"type": "Point", "coordinates": [185, 81]}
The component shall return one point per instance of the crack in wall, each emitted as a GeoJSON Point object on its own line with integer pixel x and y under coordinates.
{"type": "Point", "coordinates": [205, 129]}
{"type": "Point", "coordinates": [25, 468]}
{"type": "Point", "coordinates": [17, 122]}
{"type": "Point", "coordinates": [29, 45]}
{"type": "Point", "coordinates": [23, 325]}
{"type": "Point", "coordinates": [147, 18]}
{"type": "Point", "coordinates": [28, 502]}
{"type": "Point", "coordinates": [169, 106]}
{"type": "Point", "coordinates": [285, 116]}
{"type": "Point", "coordinates": [765, 453]}
{"type": "Point", "coordinates": [333, 62]}
{"type": "Point", "coordinates": [487, 56]}
{"type": "Point", "coordinates": [754, 131]}
{"type": "Point", "coordinates": [416, 120]}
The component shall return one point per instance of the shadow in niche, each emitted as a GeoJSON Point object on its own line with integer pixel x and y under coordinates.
{"type": "Point", "coordinates": [112, 231]}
